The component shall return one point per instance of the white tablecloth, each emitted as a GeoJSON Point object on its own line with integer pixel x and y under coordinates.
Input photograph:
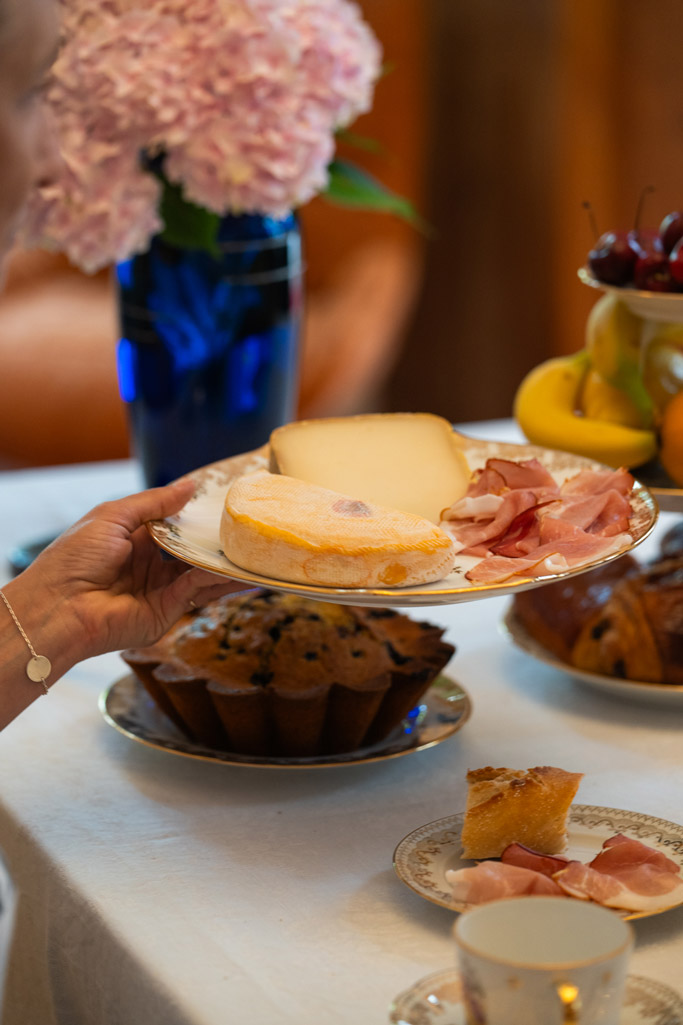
{"type": "Point", "coordinates": [156, 890]}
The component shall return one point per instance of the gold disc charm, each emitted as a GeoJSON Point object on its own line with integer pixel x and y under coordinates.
{"type": "Point", "coordinates": [38, 668]}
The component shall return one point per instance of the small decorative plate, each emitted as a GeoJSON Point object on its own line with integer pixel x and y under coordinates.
{"type": "Point", "coordinates": [422, 858]}
{"type": "Point", "coordinates": [445, 709]}
{"type": "Point", "coordinates": [669, 695]}
{"type": "Point", "coordinates": [663, 306]}
{"type": "Point", "coordinates": [193, 534]}
{"type": "Point", "coordinates": [437, 1000]}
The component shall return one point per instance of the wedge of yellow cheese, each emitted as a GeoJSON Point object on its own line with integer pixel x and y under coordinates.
{"type": "Point", "coordinates": [290, 530]}
{"type": "Point", "coordinates": [408, 461]}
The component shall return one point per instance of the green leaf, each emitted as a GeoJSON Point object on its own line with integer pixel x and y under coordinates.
{"type": "Point", "coordinates": [351, 186]}
{"type": "Point", "coordinates": [186, 225]}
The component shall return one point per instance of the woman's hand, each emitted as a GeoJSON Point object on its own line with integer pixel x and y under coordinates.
{"type": "Point", "coordinates": [109, 582]}
{"type": "Point", "coordinates": [102, 586]}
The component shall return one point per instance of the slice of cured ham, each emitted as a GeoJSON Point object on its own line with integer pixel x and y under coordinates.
{"type": "Point", "coordinates": [492, 880]}
{"type": "Point", "coordinates": [478, 536]}
{"type": "Point", "coordinates": [528, 473]}
{"type": "Point", "coordinates": [525, 857]}
{"type": "Point", "coordinates": [625, 874]}
{"type": "Point", "coordinates": [593, 482]}
{"type": "Point", "coordinates": [645, 887]}
{"type": "Point", "coordinates": [552, 557]}
{"type": "Point", "coordinates": [604, 514]}
{"type": "Point", "coordinates": [521, 536]}
{"type": "Point", "coordinates": [520, 522]}
{"type": "Point", "coordinates": [621, 853]}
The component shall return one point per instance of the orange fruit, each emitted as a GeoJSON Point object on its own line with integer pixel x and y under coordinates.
{"type": "Point", "coordinates": [671, 439]}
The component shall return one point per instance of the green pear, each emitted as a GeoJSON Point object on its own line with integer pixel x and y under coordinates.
{"type": "Point", "coordinates": [613, 341]}
{"type": "Point", "coordinates": [602, 401]}
{"type": "Point", "coordinates": [663, 364]}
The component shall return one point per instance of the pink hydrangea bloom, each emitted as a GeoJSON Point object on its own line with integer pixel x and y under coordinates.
{"type": "Point", "coordinates": [243, 98]}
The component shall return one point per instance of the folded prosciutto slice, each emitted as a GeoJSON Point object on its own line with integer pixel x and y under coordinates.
{"type": "Point", "coordinates": [620, 853]}
{"type": "Point", "coordinates": [595, 482]}
{"type": "Point", "coordinates": [491, 880]}
{"type": "Point", "coordinates": [644, 888]}
{"type": "Point", "coordinates": [603, 514]}
{"type": "Point", "coordinates": [478, 533]}
{"type": "Point", "coordinates": [529, 473]}
{"type": "Point", "coordinates": [520, 522]}
{"type": "Point", "coordinates": [525, 857]}
{"type": "Point", "coordinates": [552, 557]}
{"type": "Point", "coordinates": [625, 874]}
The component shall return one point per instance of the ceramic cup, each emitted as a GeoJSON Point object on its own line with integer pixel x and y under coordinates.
{"type": "Point", "coordinates": [542, 961]}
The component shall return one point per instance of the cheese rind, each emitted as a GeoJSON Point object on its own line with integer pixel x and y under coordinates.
{"type": "Point", "coordinates": [408, 461]}
{"type": "Point", "coordinates": [290, 530]}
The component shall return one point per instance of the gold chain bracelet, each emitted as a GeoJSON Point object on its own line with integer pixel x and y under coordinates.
{"type": "Point", "coordinates": [38, 667]}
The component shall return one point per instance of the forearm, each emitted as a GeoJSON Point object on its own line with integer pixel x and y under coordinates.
{"type": "Point", "coordinates": [47, 623]}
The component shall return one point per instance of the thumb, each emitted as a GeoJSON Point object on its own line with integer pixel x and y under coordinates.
{"type": "Point", "coordinates": [153, 504]}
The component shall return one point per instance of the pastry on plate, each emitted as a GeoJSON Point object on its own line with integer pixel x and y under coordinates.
{"type": "Point", "coordinates": [638, 633]}
{"type": "Point", "coordinates": [554, 614]}
{"type": "Point", "coordinates": [622, 619]}
{"type": "Point", "coordinates": [269, 674]}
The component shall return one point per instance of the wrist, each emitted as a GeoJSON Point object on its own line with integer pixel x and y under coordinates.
{"type": "Point", "coordinates": [47, 622]}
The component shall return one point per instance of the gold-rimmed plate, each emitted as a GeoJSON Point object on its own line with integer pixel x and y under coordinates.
{"type": "Point", "coordinates": [669, 695]}
{"type": "Point", "coordinates": [437, 999]}
{"type": "Point", "coordinates": [669, 495]}
{"type": "Point", "coordinates": [193, 534]}
{"type": "Point", "coordinates": [443, 711]}
{"type": "Point", "coordinates": [423, 857]}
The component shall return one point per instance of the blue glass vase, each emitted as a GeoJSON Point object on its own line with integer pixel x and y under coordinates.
{"type": "Point", "coordinates": [208, 354]}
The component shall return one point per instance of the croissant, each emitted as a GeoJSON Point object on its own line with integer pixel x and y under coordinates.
{"type": "Point", "coordinates": [671, 545]}
{"type": "Point", "coordinates": [638, 633]}
{"type": "Point", "coordinates": [554, 614]}
{"type": "Point", "coordinates": [621, 619]}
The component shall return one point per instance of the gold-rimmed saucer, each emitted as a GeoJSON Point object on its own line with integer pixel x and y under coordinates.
{"type": "Point", "coordinates": [423, 857]}
{"type": "Point", "coordinates": [437, 999]}
{"type": "Point", "coordinates": [444, 710]}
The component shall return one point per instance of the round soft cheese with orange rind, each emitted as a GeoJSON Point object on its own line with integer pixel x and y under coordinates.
{"type": "Point", "coordinates": [287, 529]}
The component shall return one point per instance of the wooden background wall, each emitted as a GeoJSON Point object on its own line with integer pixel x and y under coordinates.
{"type": "Point", "coordinates": [499, 118]}
{"type": "Point", "coordinates": [536, 107]}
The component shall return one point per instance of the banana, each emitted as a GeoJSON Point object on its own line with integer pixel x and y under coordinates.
{"type": "Point", "coordinates": [546, 405]}
{"type": "Point", "coordinates": [613, 341]}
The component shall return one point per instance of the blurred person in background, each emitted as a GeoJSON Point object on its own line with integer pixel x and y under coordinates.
{"type": "Point", "coordinates": [104, 584]}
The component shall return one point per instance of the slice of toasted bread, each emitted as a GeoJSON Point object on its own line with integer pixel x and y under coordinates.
{"type": "Point", "coordinates": [529, 806]}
